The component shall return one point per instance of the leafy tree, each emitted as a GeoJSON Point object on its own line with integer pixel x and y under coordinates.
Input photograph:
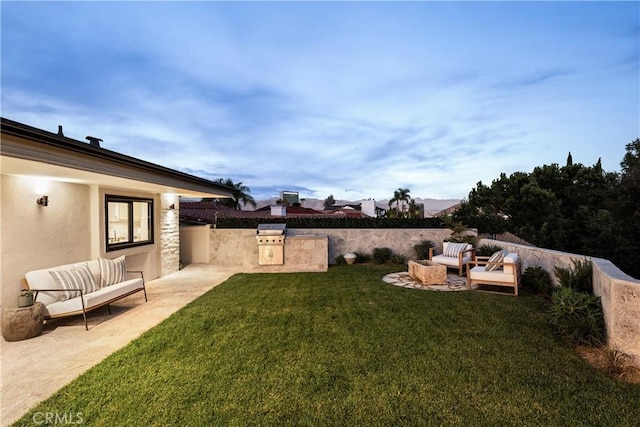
{"type": "Point", "coordinates": [329, 201]}
{"type": "Point", "coordinates": [574, 208]}
{"type": "Point", "coordinates": [626, 213]}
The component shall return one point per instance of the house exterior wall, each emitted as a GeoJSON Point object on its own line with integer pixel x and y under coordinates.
{"type": "Point", "coordinates": [72, 229]}
{"type": "Point", "coordinates": [34, 236]}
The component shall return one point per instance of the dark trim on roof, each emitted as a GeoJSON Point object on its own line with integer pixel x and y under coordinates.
{"type": "Point", "coordinates": [20, 130]}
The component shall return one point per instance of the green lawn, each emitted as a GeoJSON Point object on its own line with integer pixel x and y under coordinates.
{"type": "Point", "coordinates": [344, 348]}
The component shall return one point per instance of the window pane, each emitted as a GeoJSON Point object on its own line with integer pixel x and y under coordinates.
{"type": "Point", "coordinates": [118, 214]}
{"type": "Point", "coordinates": [141, 223]}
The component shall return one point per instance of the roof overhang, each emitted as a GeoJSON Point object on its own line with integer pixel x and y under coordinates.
{"type": "Point", "coordinates": [31, 152]}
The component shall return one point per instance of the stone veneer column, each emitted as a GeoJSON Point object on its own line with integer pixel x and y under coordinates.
{"type": "Point", "coordinates": [169, 234]}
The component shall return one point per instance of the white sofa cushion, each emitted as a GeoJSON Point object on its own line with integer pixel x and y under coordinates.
{"type": "Point", "coordinates": [42, 279]}
{"type": "Point", "coordinates": [112, 271]}
{"type": "Point", "coordinates": [93, 299]}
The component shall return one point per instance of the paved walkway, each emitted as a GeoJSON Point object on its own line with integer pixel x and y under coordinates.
{"type": "Point", "coordinates": [34, 369]}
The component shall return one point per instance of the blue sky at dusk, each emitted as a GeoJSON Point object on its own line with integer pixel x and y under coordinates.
{"type": "Point", "coordinates": [354, 99]}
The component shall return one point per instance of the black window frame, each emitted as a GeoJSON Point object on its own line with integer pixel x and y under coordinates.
{"type": "Point", "coordinates": [129, 200]}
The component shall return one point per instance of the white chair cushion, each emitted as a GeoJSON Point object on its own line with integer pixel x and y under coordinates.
{"type": "Point", "coordinates": [450, 249]}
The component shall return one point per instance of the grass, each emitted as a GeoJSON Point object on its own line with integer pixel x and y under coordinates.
{"type": "Point", "coordinates": [343, 348]}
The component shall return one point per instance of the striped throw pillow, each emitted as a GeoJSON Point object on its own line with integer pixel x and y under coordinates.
{"type": "Point", "coordinates": [112, 271]}
{"type": "Point", "coordinates": [75, 278]}
{"type": "Point", "coordinates": [496, 257]}
{"type": "Point", "coordinates": [453, 249]}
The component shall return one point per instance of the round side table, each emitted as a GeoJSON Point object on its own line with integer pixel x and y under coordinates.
{"type": "Point", "coordinates": [22, 323]}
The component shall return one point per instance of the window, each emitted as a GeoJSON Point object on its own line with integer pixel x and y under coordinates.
{"type": "Point", "coordinates": [129, 222]}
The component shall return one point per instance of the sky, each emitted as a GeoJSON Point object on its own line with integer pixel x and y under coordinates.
{"type": "Point", "coordinates": [350, 99]}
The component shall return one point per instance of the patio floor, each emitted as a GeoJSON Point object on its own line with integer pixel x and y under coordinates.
{"type": "Point", "coordinates": [34, 369]}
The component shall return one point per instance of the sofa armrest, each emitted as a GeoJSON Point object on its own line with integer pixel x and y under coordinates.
{"type": "Point", "coordinates": [472, 251]}
{"type": "Point", "coordinates": [137, 272]}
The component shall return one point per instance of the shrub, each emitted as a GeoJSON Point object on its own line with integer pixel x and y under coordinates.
{"type": "Point", "coordinates": [577, 316]}
{"type": "Point", "coordinates": [487, 250]}
{"type": "Point", "coordinates": [398, 259]}
{"type": "Point", "coordinates": [382, 255]}
{"type": "Point", "coordinates": [580, 278]}
{"type": "Point", "coordinates": [362, 257]}
{"type": "Point", "coordinates": [340, 260]}
{"type": "Point", "coordinates": [538, 280]}
{"type": "Point", "coordinates": [422, 249]}
{"type": "Point", "coordinates": [616, 362]}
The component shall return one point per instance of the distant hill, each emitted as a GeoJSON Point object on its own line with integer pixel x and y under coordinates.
{"type": "Point", "coordinates": [431, 206]}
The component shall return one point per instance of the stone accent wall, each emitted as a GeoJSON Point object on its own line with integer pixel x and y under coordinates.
{"type": "Point", "coordinates": [532, 256]}
{"type": "Point", "coordinates": [169, 235]}
{"type": "Point", "coordinates": [237, 247]}
{"type": "Point", "coordinates": [399, 240]}
{"type": "Point", "coordinates": [619, 292]}
{"type": "Point", "coordinates": [620, 295]}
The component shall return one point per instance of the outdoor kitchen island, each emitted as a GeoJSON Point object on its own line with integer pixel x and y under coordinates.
{"type": "Point", "coordinates": [302, 251]}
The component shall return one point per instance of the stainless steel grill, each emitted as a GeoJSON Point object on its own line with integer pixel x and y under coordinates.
{"type": "Point", "coordinates": [270, 238]}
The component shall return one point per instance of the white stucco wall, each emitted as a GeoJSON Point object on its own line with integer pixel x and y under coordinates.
{"type": "Point", "coordinates": [34, 236]}
{"type": "Point", "coordinates": [194, 244]}
{"type": "Point", "coordinates": [71, 229]}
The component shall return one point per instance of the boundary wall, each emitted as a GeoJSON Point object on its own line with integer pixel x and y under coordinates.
{"type": "Point", "coordinates": [315, 249]}
{"type": "Point", "coordinates": [619, 292]}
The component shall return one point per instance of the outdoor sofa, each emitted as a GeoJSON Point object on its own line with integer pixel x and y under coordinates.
{"type": "Point", "coordinates": [78, 288]}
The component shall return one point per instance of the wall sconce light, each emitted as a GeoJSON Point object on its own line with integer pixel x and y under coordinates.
{"type": "Point", "coordinates": [172, 206]}
{"type": "Point", "coordinates": [43, 201]}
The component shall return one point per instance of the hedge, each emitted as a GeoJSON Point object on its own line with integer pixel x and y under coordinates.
{"type": "Point", "coordinates": [316, 222]}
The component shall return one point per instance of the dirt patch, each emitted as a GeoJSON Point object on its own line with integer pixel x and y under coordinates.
{"type": "Point", "coordinates": [616, 364]}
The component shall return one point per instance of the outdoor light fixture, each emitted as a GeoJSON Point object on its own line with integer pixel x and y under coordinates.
{"type": "Point", "coordinates": [43, 201]}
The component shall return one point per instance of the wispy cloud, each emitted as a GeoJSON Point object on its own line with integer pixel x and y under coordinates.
{"type": "Point", "coordinates": [349, 99]}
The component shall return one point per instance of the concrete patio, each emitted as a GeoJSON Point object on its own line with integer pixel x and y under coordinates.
{"type": "Point", "coordinates": [34, 369]}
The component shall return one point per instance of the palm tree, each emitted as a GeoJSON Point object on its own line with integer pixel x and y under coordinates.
{"type": "Point", "coordinates": [400, 196]}
{"type": "Point", "coordinates": [240, 193]}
